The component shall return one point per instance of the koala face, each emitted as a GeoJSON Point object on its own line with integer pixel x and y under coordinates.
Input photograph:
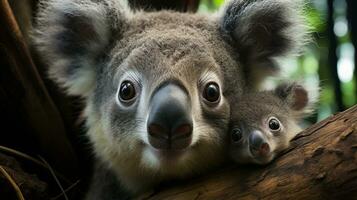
{"type": "Point", "coordinates": [160, 108]}
{"type": "Point", "coordinates": [263, 123]}
{"type": "Point", "coordinates": [155, 83]}
{"type": "Point", "coordinates": [259, 142]}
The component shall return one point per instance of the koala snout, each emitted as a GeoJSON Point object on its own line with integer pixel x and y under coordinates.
{"type": "Point", "coordinates": [257, 144]}
{"type": "Point", "coordinates": [169, 125]}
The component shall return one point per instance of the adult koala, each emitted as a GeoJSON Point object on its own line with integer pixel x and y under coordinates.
{"type": "Point", "coordinates": [155, 84]}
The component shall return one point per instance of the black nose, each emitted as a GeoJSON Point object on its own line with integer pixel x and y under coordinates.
{"type": "Point", "coordinates": [257, 143]}
{"type": "Point", "coordinates": [170, 123]}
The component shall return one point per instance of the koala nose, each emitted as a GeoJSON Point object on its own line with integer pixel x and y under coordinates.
{"type": "Point", "coordinates": [257, 144]}
{"type": "Point", "coordinates": [170, 124]}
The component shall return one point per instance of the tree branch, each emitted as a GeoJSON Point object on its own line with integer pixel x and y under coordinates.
{"type": "Point", "coordinates": [320, 164]}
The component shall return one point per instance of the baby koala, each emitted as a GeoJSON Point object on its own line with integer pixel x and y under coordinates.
{"type": "Point", "coordinates": [263, 123]}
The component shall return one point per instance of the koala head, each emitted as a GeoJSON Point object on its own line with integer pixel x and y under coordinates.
{"type": "Point", "coordinates": [155, 83]}
{"type": "Point", "coordinates": [263, 123]}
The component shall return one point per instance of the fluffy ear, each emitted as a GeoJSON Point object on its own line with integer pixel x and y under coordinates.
{"type": "Point", "coordinates": [263, 30]}
{"type": "Point", "coordinates": [73, 35]}
{"type": "Point", "coordinates": [298, 98]}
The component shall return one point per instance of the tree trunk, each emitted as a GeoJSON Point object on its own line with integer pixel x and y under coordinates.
{"type": "Point", "coordinates": [332, 56]}
{"type": "Point", "coordinates": [320, 164]}
{"type": "Point", "coordinates": [352, 20]}
{"type": "Point", "coordinates": [30, 118]}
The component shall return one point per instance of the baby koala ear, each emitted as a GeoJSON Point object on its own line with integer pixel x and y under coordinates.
{"type": "Point", "coordinates": [300, 99]}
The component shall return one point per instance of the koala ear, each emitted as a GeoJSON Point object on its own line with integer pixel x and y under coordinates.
{"type": "Point", "coordinates": [72, 37]}
{"type": "Point", "coordinates": [264, 29]}
{"type": "Point", "coordinates": [298, 98]}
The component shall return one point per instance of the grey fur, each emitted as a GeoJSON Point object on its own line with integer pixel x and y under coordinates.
{"type": "Point", "coordinates": [74, 35]}
{"type": "Point", "coordinates": [106, 186]}
{"type": "Point", "coordinates": [263, 30]}
{"type": "Point", "coordinates": [91, 46]}
{"type": "Point", "coordinates": [288, 103]}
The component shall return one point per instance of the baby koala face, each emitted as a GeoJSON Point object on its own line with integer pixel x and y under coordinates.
{"type": "Point", "coordinates": [263, 123]}
{"type": "Point", "coordinates": [258, 142]}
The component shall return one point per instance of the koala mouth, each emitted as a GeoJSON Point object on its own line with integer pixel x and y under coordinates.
{"type": "Point", "coordinates": [170, 125]}
{"type": "Point", "coordinates": [168, 155]}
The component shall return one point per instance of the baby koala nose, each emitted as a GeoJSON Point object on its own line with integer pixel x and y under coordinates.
{"type": "Point", "coordinates": [257, 144]}
{"type": "Point", "coordinates": [170, 124]}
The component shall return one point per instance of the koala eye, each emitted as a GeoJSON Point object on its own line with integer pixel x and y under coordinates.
{"type": "Point", "coordinates": [274, 124]}
{"type": "Point", "coordinates": [211, 92]}
{"type": "Point", "coordinates": [127, 91]}
{"type": "Point", "coordinates": [236, 135]}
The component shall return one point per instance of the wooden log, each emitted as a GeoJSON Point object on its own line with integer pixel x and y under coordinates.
{"type": "Point", "coordinates": [320, 164]}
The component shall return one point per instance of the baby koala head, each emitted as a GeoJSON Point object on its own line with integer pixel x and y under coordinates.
{"type": "Point", "coordinates": [263, 123]}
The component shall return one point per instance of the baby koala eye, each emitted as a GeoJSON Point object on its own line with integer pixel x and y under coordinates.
{"type": "Point", "coordinates": [127, 91]}
{"type": "Point", "coordinates": [211, 92]}
{"type": "Point", "coordinates": [274, 124]}
{"type": "Point", "coordinates": [236, 135]}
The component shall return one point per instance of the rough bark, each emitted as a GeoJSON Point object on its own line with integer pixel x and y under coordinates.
{"type": "Point", "coordinates": [320, 164]}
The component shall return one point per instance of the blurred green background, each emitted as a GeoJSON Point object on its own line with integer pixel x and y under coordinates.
{"type": "Point", "coordinates": [329, 60]}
